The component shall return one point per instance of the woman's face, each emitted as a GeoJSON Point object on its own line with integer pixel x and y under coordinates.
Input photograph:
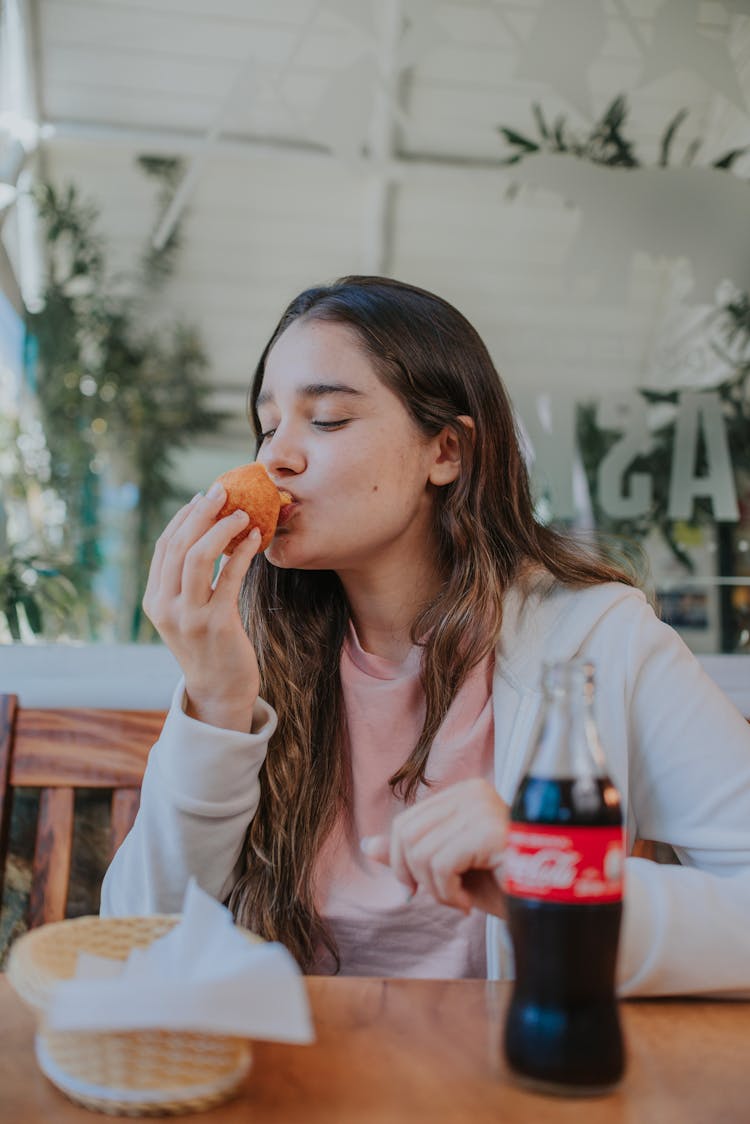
{"type": "Point", "coordinates": [345, 447]}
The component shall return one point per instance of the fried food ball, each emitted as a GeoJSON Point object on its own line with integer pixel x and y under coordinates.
{"type": "Point", "coordinates": [250, 488]}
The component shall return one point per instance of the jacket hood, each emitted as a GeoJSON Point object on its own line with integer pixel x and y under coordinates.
{"type": "Point", "coordinates": [544, 623]}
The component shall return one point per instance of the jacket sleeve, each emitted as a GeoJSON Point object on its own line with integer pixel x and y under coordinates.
{"type": "Point", "coordinates": [200, 791]}
{"type": "Point", "coordinates": [686, 928]}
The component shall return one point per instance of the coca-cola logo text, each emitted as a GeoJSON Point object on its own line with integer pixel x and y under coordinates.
{"type": "Point", "coordinates": [579, 864]}
{"type": "Point", "coordinates": [547, 867]}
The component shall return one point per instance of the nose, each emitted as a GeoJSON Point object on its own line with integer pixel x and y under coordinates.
{"type": "Point", "coordinates": [282, 453]}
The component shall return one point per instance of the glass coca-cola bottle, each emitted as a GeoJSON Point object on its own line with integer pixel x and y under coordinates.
{"type": "Point", "coordinates": [563, 873]}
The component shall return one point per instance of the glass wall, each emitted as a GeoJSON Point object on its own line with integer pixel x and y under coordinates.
{"type": "Point", "coordinates": [573, 174]}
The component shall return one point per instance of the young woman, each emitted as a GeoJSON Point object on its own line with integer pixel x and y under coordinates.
{"type": "Point", "coordinates": [339, 759]}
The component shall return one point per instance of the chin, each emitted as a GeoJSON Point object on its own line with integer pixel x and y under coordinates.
{"type": "Point", "coordinates": [285, 554]}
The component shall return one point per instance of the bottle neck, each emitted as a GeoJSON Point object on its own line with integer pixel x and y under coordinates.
{"type": "Point", "coordinates": [567, 743]}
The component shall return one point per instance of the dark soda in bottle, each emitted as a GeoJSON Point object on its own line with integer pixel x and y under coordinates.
{"type": "Point", "coordinates": [563, 872]}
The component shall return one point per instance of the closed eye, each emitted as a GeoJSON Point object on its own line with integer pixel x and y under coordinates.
{"type": "Point", "coordinates": [331, 424]}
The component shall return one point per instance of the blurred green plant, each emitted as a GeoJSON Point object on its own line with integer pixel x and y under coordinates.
{"type": "Point", "coordinates": [116, 398]}
{"type": "Point", "coordinates": [36, 595]}
{"type": "Point", "coordinates": [605, 142]}
{"type": "Point", "coordinates": [43, 592]}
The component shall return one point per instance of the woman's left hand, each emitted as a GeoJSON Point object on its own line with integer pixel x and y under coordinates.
{"type": "Point", "coordinates": [450, 844]}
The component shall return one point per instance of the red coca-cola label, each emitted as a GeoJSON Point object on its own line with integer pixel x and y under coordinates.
{"type": "Point", "coordinates": [564, 864]}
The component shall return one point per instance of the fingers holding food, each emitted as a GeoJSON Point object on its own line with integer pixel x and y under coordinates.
{"type": "Point", "coordinates": [249, 488]}
{"type": "Point", "coordinates": [199, 564]}
{"type": "Point", "coordinates": [183, 566]}
{"type": "Point", "coordinates": [198, 618]}
{"type": "Point", "coordinates": [200, 531]}
{"type": "Point", "coordinates": [188, 534]}
{"type": "Point", "coordinates": [234, 567]}
{"type": "Point", "coordinates": [160, 548]}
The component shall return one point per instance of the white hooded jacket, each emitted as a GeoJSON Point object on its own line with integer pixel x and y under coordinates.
{"type": "Point", "coordinates": [678, 751]}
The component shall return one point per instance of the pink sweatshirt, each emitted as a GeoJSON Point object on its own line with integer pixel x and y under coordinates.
{"type": "Point", "coordinates": [377, 930]}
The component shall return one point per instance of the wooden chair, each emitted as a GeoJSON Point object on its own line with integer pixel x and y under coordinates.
{"type": "Point", "coordinates": [656, 852]}
{"type": "Point", "coordinates": [58, 751]}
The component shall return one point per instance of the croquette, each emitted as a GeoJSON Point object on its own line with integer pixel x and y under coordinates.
{"type": "Point", "coordinates": [250, 488]}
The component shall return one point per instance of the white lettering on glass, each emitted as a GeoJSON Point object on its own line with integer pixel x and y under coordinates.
{"type": "Point", "coordinates": [613, 413]}
{"type": "Point", "coordinates": [698, 411]}
{"type": "Point", "coordinates": [549, 423]}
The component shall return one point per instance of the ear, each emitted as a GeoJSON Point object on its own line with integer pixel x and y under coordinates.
{"type": "Point", "coordinates": [447, 463]}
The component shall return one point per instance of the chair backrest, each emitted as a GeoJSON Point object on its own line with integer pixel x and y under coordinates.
{"type": "Point", "coordinates": [58, 751]}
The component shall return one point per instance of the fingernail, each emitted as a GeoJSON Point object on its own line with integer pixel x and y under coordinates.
{"type": "Point", "coordinates": [241, 514]}
{"type": "Point", "coordinates": [197, 496]}
{"type": "Point", "coordinates": [214, 491]}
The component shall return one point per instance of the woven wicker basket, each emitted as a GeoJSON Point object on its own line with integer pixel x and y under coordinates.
{"type": "Point", "coordinates": [132, 1073]}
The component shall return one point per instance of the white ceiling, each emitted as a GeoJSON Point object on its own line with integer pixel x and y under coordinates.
{"type": "Point", "coordinates": [333, 136]}
{"type": "Point", "coordinates": [252, 69]}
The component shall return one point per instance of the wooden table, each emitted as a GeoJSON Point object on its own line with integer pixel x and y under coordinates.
{"type": "Point", "coordinates": [428, 1052]}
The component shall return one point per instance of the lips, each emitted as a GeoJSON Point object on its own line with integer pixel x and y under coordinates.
{"type": "Point", "coordinates": [287, 512]}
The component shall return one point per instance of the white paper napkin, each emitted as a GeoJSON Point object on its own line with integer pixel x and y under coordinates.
{"type": "Point", "coordinates": [203, 975]}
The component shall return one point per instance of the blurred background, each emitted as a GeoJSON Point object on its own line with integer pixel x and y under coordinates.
{"type": "Point", "coordinates": [573, 174]}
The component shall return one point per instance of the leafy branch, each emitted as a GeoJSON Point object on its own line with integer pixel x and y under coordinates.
{"type": "Point", "coordinates": [605, 142]}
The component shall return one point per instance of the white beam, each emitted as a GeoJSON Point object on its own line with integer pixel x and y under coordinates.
{"type": "Point", "coordinates": [399, 167]}
{"type": "Point", "coordinates": [20, 112]}
{"type": "Point", "coordinates": [175, 208]}
{"type": "Point", "coordinates": [379, 194]}
{"type": "Point", "coordinates": [19, 117]}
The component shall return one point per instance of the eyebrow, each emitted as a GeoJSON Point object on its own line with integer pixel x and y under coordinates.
{"type": "Point", "coordinates": [313, 390]}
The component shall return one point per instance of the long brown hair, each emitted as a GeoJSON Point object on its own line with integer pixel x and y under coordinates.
{"type": "Point", "coordinates": [425, 351]}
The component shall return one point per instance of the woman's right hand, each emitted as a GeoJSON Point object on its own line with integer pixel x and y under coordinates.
{"type": "Point", "coordinates": [199, 619]}
{"type": "Point", "coordinates": [451, 844]}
